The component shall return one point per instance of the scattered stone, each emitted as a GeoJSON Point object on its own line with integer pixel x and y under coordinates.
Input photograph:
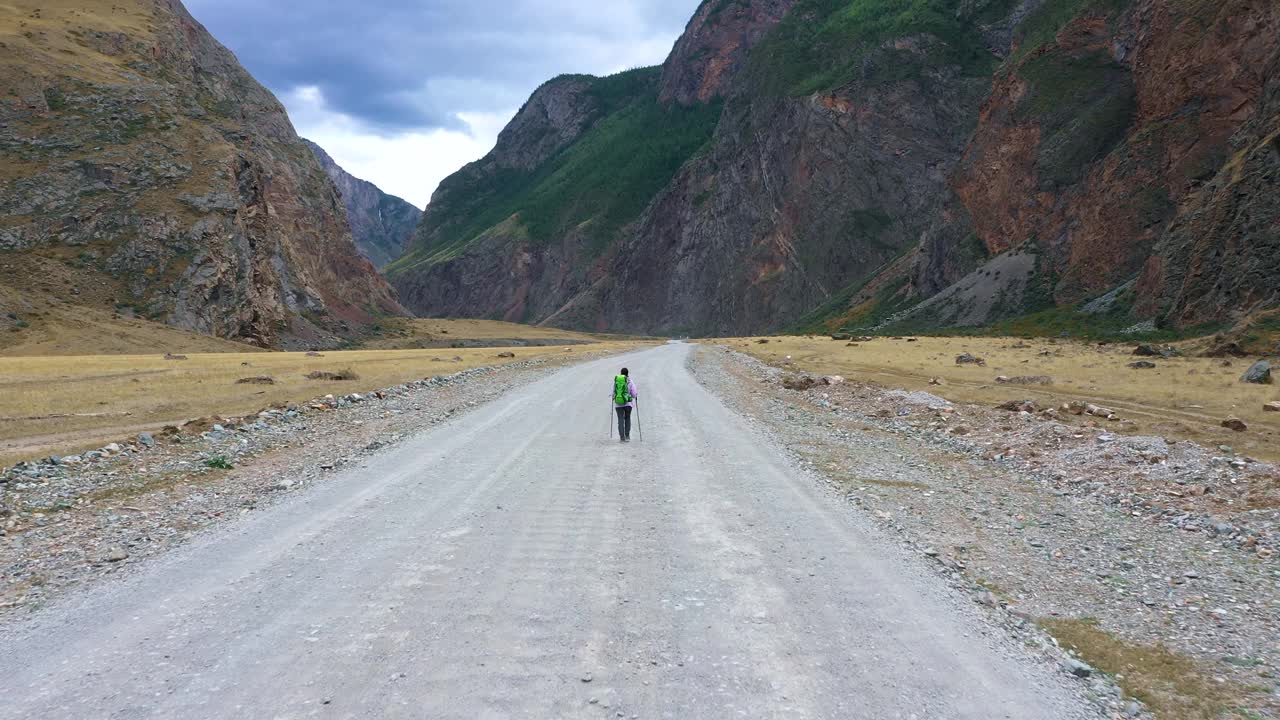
{"type": "Point", "coordinates": [1222, 349]}
{"type": "Point", "coordinates": [844, 338]}
{"type": "Point", "coordinates": [969, 359]}
{"type": "Point", "coordinates": [1028, 406]}
{"type": "Point", "coordinates": [762, 341]}
{"type": "Point", "coordinates": [313, 353]}
{"type": "Point", "coordinates": [1272, 407]}
{"type": "Point", "coordinates": [1099, 411]}
{"type": "Point", "coordinates": [1163, 351]}
{"type": "Point", "coordinates": [1259, 373]}
{"type": "Point", "coordinates": [117, 554]}
{"type": "Point", "coordinates": [1235, 423]}
{"type": "Point", "coordinates": [171, 356]}
{"type": "Point", "coordinates": [1025, 380]}
{"type": "Point", "coordinates": [832, 380]}
{"type": "Point", "coordinates": [587, 677]}
{"type": "Point", "coordinates": [147, 440]}
{"type": "Point", "coordinates": [799, 383]}
{"type": "Point", "coordinates": [506, 354]}
{"type": "Point", "coordinates": [341, 375]}
{"type": "Point", "coordinates": [1078, 668]}
{"type": "Point", "coordinates": [259, 380]}
{"type": "Point", "coordinates": [1142, 365]}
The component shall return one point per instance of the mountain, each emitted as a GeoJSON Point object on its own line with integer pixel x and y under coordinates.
{"type": "Point", "coordinates": [870, 163]}
{"type": "Point", "coordinates": [146, 172]}
{"type": "Point", "coordinates": [381, 224]}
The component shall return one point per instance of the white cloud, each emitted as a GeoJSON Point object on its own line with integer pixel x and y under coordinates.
{"type": "Point", "coordinates": [408, 164]}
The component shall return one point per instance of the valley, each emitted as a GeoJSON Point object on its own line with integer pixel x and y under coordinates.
{"type": "Point", "coordinates": [62, 404]}
{"type": "Point", "coordinates": [954, 329]}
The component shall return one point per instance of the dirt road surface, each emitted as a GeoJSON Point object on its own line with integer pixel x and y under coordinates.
{"type": "Point", "coordinates": [516, 563]}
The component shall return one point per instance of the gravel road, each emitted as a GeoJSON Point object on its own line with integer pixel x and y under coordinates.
{"type": "Point", "coordinates": [516, 563]}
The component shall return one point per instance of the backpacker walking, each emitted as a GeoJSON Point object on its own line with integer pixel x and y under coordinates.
{"type": "Point", "coordinates": [624, 400]}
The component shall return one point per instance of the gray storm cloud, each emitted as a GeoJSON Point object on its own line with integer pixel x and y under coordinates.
{"type": "Point", "coordinates": [397, 65]}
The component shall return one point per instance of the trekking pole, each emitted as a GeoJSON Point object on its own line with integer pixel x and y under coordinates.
{"type": "Point", "coordinates": [639, 425]}
{"type": "Point", "coordinates": [610, 419]}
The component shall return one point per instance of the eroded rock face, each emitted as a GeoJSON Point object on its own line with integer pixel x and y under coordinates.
{"type": "Point", "coordinates": [795, 199]}
{"type": "Point", "coordinates": [381, 224]}
{"type": "Point", "coordinates": [1137, 144]}
{"type": "Point", "coordinates": [987, 162]}
{"type": "Point", "coordinates": [146, 170]}
{"type": "Point", "coordinates": [502, 274]}
{"type": "Point", "coordinates": [710, 54]}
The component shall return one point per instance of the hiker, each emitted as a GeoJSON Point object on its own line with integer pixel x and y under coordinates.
{"type": "Point", "coordinates": [624, 399]}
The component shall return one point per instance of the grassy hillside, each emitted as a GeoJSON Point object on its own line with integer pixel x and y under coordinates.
{"type": "Point", "coordinates": [826, 44]}
{"type": "Point", "coordinates": [596, 185]}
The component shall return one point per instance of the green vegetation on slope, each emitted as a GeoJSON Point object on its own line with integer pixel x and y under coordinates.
{"type": "Point", "coordinates": [1043, 24]}
{"type": "Point", "coordinates": [595, 186]}
{"type": "Point", "coordinates": [1084, 105]}
{"type": "Point", "coordinates": [824, 44]}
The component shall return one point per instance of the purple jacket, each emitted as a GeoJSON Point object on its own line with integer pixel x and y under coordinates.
{"type": "Point", "coordinates": [631, 390]}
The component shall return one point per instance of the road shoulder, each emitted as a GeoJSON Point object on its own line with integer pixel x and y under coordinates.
{"type": "Point", "coordinates": [1185, 620]}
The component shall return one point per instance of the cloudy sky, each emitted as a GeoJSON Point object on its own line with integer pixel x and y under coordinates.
{"type": "Point", "coordinates": [404, 92]}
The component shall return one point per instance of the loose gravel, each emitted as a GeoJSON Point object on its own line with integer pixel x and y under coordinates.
{"type": "Point", "coordinates": [1049, 514]}
{"type": "Point", "coordinates": [65, 521]}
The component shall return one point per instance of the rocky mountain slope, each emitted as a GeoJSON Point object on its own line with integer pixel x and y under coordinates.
{"type": "Point", "coordinates": [865, 163]}
{"type": "Point", "coordinates": [144, 171]}
{"type": "Point", "coordinates": [381, 224]}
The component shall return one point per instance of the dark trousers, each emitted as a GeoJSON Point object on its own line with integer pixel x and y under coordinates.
{"type": "Point", "coordinates": [624, 422]}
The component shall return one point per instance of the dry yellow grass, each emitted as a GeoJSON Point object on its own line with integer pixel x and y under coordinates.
{"type": "Point", "coordinates": [1171, 685]}
{"type": "Point", "coordinates": [47, 325]}
{"type": "Point", "coordinates": [1185, 397]}
{"type": "Point", "coordinates": [404, 333]}
{"type": "Point", "coordinates": [66, 403]}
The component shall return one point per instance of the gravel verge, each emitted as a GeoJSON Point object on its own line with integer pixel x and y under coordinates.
{"type": "Point", "coordinates": [67, 521]}
{"type": "Point", "coordinates": [1047, 516]}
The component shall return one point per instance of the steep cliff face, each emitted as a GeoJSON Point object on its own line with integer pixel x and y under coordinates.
{"type": "Point", "coordinates": [1127, 141]}
{"type": "Point", "coordinates": [146, 171]}
{"type": "Point", "coordinates": [381, 224]}
{"type": "Point", "coordinates": [900, 164]}
{"type": "Point", "coordinates": [517, 233]}
{"type": "Point", "coordinates": [715, 46]}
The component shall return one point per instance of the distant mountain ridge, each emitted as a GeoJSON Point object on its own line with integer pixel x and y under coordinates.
{"type": "Point", "coordinates": [868, 163]}
{"type": "Point", "coordinates": [381, 224]}
{"type": "Point", "coordinates": [146, 172]}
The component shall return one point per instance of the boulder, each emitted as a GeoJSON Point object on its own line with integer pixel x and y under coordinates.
{"type": "Point", "coordinates": [1271, 407]}
{"type": "Point", "coordinates": [258, 380]}
{"type": "Point", "coordinates": [506, 354]}
{"type": "Point", "coordinates": [1142, 365]}
{"type": "Point", "coordinates": [799, 383]}
{"type": "Point", "coordinates": [1029, 406]}
{"type": "Point", "coordinates": [969, 359]}
{"type": "Point", "coordinates": [1025, 380]}
{"type": "Point", "coordinates": [1222, 348]}
{"type": "Point", "coordinates": [1235, 423]}
{"type": "Point", "coordinates": [1259, 373]}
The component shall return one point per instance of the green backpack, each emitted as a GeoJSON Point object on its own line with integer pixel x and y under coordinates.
{"type": "Point", "coordinates": [620, 394]}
